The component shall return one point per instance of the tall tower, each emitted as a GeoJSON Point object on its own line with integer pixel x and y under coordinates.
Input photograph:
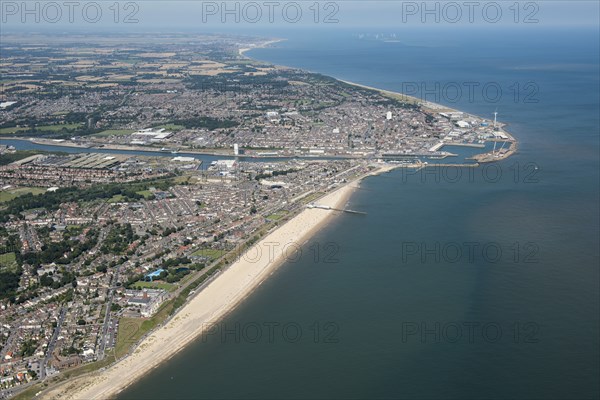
{"type": "Point", "coordinates": [495, 115]}
{"type": "Point", "coordinates": [236, 149]}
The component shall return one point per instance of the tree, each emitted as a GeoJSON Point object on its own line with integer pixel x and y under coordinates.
{"type": "Point", "coordinates": [102, 268]}
{"type": "Point", "coordinates": [46, 280]}
{"type": "Point", "coordinates": [9, 283]}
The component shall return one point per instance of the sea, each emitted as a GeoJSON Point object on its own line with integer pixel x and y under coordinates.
{"type": "Point", "coordinates": [458, 282]}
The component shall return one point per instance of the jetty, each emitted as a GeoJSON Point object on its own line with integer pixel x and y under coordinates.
{"type": "Point", "coordinates": [323, 207]}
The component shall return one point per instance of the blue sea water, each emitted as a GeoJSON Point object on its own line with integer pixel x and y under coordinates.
{"type": "Point", "coordinates": [458, 283]}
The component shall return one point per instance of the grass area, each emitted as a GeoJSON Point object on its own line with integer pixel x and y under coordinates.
{"type": "Point", "coordinates": [43, 128]}
{"type": "Point", "coordinates": [312, 197]}
{"type": "Point", "coordinates": [170, 127]}
{"type": "Point", "coordinates": [14, 129]}
{"type": "Point", "coordinates": [115, 132]}
{"type": "Point", "coordinates": [8, 262]}
{"type": "Point", "coordinates": [155, 285]}
{"type": "Point", "coordinates": [60, 127]}
{"type": "Point", "coordinates": [127, 335]}
{"type": "Point", "coordinates": [145, 193]}
{"type": "Point", "coordinates": [213, 254]}
{"type": "Point", "coordinates": [277, 216]}
{"type": "Point", "coordinates": [117, 198]}
{"type": "Point", "coordinates": [182, 179]}
{"type": "Point", "coordinates": [131, 330]}
{"type": "Point", "coordinates": [8, 195]}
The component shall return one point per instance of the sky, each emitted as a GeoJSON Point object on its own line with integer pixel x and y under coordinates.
{"type": "Point", "coordinates": [248, 16]}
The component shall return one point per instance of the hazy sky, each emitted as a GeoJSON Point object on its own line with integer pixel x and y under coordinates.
{"type": "Point", "coordinates": [148, 15]}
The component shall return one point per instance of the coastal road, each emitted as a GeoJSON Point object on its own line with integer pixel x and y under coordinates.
{"type": "Point", "coordinates": [52, 343]}
{"type": "Point", "coordinates": [103, 336]}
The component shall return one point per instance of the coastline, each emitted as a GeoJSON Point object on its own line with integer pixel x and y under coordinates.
{"type": "Point", "coordinates": [481, 158]}
{"type": "Point", "coordinates": [210, 304]}
{"type": "Point", "coordinates": [428, 105]}
{"type": "Point", "coordinates": [264, 44]}
{"type": "Point", "coordinates": [227, 290]}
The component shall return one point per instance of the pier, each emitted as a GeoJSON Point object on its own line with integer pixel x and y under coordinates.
{"type": "Point", "coordinates": [322, 207]}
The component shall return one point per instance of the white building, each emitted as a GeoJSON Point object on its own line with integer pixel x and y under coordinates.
{"type": "Point", "coordinates": [149, 301]}
{"type": "Point", "coordinates": [224, 164]}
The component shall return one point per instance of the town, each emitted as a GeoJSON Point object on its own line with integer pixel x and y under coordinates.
{"type": "Point", "coordinates": [203, 95]}
{"type": "Point", "coordinates": [100, 245]}
{"type": "Point", "coordinates": [81, 261]}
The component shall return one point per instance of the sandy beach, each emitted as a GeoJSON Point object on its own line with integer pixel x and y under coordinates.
{"type": "Point", "coordinates": [208, 306]}
{"type": "Point", "coordinates": [215, 300]}
{"type": "Point", "coordinates": [264, 44]}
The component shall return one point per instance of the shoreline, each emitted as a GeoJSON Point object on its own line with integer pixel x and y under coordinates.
{"type": "Point", "coordinates": [211, 304]}
{"type": "Point", "coordinates": [480, 158]}
{"type": "Point", "coordinates": [431, 106]}
{"type": "Point", "coordinates": [223, 294]}
{"type": "Point", "coordinates": [262, 45]}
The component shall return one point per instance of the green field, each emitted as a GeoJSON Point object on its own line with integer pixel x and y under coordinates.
{"type": "Point", "coordinates": [182, 179]}
{"type": "Point", "coordinates": [170, 127]}
{"type": "Point", "coordinates": [8, 195]}
{"type": "Point", "coordinates": [14, 129]}
{"type": "Point", "coordinates": [213, 254]}
{"type": "Point", "coordinates": [277, 216]}
{"type": "Point", "coordinates": [56, 128]}
{"type": "Point", "coordinates": [145, 193]}
{"type": "Point", "coordinates": [114, 132]}
{"type": "Point", "coordinates": [312, 197]}
{"type": "Point", "coordinates": [8, 262]}
{"type": "Point", "coordinates": [129, 333]}
{"type": "Point", "coordinates": [169, 287]}
{"type": "Point", "coordinates": [133, 329]}
{"type": "Point", "coordinates": [45, 128]}
{"type": "Point", "coordinates": [117, 198]}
